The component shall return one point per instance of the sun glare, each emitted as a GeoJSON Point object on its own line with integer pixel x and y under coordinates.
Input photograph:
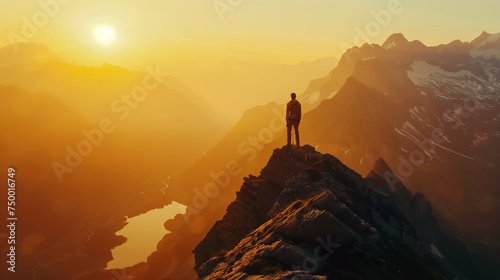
{"type": "Point", "coordinates": [105, 35]}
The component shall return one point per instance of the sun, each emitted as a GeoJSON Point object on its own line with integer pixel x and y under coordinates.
{"type": "Point", "coordinates": [105, 35]}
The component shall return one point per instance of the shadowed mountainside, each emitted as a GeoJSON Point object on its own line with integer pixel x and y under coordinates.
{"type": "Point", "coordinates": [309, 215]}
{"type": "Point", "coordinates": [70, 224]}
{"type": "Point", "coordinates": [430, 112]}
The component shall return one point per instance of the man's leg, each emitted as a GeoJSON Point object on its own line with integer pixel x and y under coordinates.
{"type": "Point", "coordinates": [289, 134]}
{"type": "Point", "coordinates": [297, 134]}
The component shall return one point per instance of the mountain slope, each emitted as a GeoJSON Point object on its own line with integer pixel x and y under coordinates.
{"type": "Point", "coordinates": [233, 86]}
{"type": "Point", "coordinates": [430, 112]}
{"type": "Point", "coordinates": [37, 130]}
{"type": "Point", "coordinates": [208, 186]}
{"type": "Point", "coordinates": [343, 129]}
{"type": "Point", "coordinates": [307, 214]}
{"type": "Point", "coordinates": [71, 216]}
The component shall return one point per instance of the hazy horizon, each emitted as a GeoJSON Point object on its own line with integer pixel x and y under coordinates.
{"type": "Point", "coordinates": [206, 32]}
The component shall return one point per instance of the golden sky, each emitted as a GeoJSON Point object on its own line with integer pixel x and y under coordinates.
{"type": "Point", "coordinates": [208, 30]}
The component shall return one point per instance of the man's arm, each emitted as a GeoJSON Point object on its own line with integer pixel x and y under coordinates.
{"type": "Point", "coordinates": [300, 111]}
{"type": "Point", "coordinates": [287, 111]}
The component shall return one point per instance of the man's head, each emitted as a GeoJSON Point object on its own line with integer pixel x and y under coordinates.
{"type": "Point", "coordinates": [293, 95]}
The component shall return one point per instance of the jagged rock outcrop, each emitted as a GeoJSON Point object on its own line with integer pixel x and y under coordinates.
{"type": "Point", "coordinates": [254, 201]}
{"type": "Point", "coordinates": [308, 216]}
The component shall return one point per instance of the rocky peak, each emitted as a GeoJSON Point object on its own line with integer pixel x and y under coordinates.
{"type": "Point", "coordinates": [396, 39]}
{"type": "Point", "coordinates": [381, 167]}
{"type": "Point", "coordinates": [309, 215]}
{"type": "Point", "coordinates": [480, 39]}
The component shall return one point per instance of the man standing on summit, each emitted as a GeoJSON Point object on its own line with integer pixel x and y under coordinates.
{"type": "Point", "coordinates": [293, 116]}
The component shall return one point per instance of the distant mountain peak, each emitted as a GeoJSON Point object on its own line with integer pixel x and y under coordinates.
{"type": "Point", "coordinates": [455, 43]}
{"type": "Point", "coordinates": [381, 167]}
{"type": "Point", "coordinates": [109, 66]}
{"type": "Point", "coordinates": [486, 45]}
{"type": "Point", "coordinates": [481, 38]}
{"type": "Point", "coordinates": [484, 34]}
{"type": "Point", "coordinates": [23, 46]}
{"type": "Point", "coordinates": [26, 54]}
{"type": "Point", "coordinates": [396, 39]}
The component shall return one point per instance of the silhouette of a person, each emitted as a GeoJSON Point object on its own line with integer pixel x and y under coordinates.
{"type": "Point", "coordinates": [293, 116]}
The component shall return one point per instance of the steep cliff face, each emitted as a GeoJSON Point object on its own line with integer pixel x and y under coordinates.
{"type": "Point", "coordinates": [396, 100]}
{"type": "Point", "coordinates": [309, 215]}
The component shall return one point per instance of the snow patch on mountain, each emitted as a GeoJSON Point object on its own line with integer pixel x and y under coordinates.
{"type": "Point", "coordinates": [492, 38]}
{"type": "Point", "coordinates": [452, 85]}
{"type": "Point", "coordinates": [332, 94]}
{"type": "Point", "coordinates": [480, 51]}
{"type": "Point", "coordinates": [452, 151]}
{"type": "Point", "coordinates": [390, 46]}
{"type": "Point", "coordinates": [313, 97]}
{"type": "Point", "coordinates": [436, 252]}
{"type": "Point", "coordinates": [422, 72]}
{"type": "Point", "coordinates": [487, 54]}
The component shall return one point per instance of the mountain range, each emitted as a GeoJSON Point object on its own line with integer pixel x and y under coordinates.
{"type": "Point", "coordinates": [413, 106]}
{"type": "Point", "coordinates": [431, 112]}
{"type": "Point", "coordinates": [72, 170]}
{"type": "Point", "coordinates": [233, 86]}
{"type": "Point", "coordinates": [418, 123]}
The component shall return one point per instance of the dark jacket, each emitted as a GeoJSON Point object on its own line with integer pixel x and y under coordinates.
{"type": "Point", "coordinates": [293, 112]}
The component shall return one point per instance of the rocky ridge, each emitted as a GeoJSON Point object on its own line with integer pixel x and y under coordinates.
{"type": "Point", "coordinates": [309, 216]}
